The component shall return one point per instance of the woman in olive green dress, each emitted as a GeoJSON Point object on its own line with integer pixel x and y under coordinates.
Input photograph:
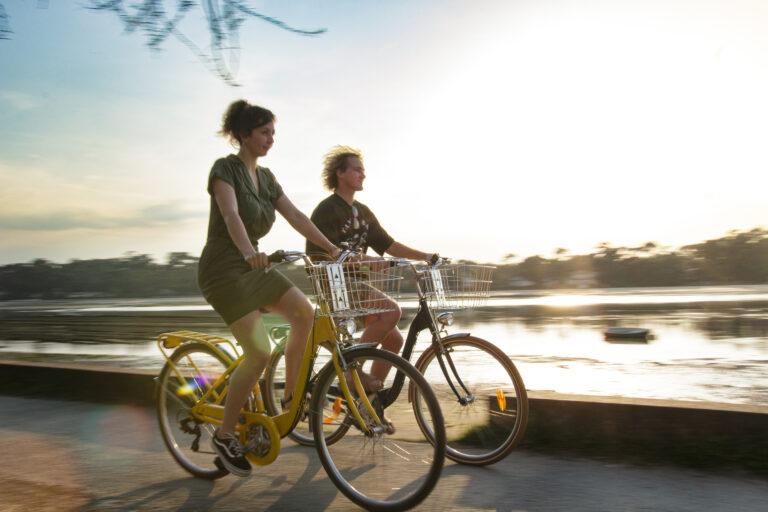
{"type": "Point", "coordinates": [232, 277]}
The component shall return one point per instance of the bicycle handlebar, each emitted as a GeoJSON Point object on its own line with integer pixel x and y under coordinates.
{"type": "Point", "coordinates": [281, 256]}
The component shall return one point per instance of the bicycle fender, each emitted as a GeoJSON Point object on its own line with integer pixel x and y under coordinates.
{"type": "Point", "coordinates": [456, 335]}
{"type": "Point", "coordinates": [357, 346]}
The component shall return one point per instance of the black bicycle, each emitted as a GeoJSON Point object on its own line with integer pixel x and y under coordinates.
{"type": "Point", "coordinates": [481, 392]}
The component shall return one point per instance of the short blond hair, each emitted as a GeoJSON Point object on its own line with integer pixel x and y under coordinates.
{"type": "Point", "coordinates": [336, 160]}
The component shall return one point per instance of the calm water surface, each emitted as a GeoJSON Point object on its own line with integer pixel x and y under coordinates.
{"type": "Point", "coordinates": [710, 343]}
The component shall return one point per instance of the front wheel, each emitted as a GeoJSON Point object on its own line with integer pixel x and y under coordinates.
{"type": "Point", "coordinates": [486, 411]}
{"type": "Point", "coordinates": [392, 466]}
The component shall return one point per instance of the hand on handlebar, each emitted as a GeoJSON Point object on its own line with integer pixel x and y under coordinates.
{"type": "Point", "coordinates": [257, 260]}
{"type": "Point", "coordinates": [335, 253]}
{"type": "Point", "coordinates": [277, 257]}
{"type": "Point", "coordinates": [346, 253]}
{"type": "Point", "coordinates": [436, 259]}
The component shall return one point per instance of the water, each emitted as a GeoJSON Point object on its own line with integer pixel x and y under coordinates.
{"type": "Point", "coordinates": [710, 343]}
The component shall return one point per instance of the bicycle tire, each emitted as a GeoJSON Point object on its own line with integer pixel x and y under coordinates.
{"type": "Point", "coordinates": [302, 431]}
{"type": "Point", "coordinates": [175, 424]}
{"type": "Point", "coordinates": [392, 469]}
{"type": "Point", "coordinates": [477, 434]}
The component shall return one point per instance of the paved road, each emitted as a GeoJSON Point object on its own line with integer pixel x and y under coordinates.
{"type": "Point", "coordinates": [60, 455]}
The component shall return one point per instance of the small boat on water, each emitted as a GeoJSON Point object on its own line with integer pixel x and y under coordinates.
{"type": "Point", "coordinates": [627, 334]}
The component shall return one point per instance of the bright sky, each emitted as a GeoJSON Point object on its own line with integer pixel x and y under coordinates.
{"type": "Point", "coordinates": [489, 127]}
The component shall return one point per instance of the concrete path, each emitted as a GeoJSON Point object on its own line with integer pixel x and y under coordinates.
{"type": "Point", "coordinates": [60, 455]}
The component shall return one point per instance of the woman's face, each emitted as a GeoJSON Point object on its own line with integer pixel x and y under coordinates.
{"type": "Point", "coordinates": [260, 139]}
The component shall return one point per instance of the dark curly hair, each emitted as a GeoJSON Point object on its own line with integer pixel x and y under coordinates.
{"type": "Point", "coordinates": [241, 118]}
{"type": "Point", "coordinates": [336, 160]}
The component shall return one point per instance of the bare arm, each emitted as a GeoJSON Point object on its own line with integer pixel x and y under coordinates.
{"type": "Point", "coordinates": [227, 203]}
{"type": "Point", "coordinates": [399, 250]}
{"type": "Point", "coordinates": [303, 225]}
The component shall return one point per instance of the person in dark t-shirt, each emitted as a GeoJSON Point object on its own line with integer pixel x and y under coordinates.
{"type": "Point", "coordinates": [342, 219]}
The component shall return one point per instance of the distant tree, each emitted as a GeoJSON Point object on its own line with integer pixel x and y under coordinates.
{"type": "Point", "coordinates": [739, 257]}
{"type": "Point", "coordinates": [181, 259]}
{"type": "Point", "coordinates": [509, 257]}
{"type": "Point", "coordinates": [534, 269]}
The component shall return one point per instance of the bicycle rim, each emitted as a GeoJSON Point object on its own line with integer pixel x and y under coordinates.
{"type": "Point", "coordinates": [484, 424]}
{"type": "Point", "coordinates": [392, 469]}
{"type": "Point", "coordinates": [274, 384]}
{"type": "Point", "coordinates": [188, 440]}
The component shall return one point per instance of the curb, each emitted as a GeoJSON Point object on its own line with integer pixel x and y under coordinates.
{"type": "Point", "coordinates": [693, 434]}
{"type": "Point", "coordinates": [78, 382]}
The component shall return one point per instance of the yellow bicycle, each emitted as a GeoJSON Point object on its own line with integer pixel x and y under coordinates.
{"type": "Point", "coordinates": [382, 462]}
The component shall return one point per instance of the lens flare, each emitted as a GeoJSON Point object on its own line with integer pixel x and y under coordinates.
{"type": "Point", "coordinates": [185, 390]}
{"type": "Point", "coordinates": [202, 380]}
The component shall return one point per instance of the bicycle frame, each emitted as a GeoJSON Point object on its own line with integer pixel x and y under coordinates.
{"type": "Point", "coordinates": [424, 319]}
{"type": "Point", "coordinates": [209, 407]}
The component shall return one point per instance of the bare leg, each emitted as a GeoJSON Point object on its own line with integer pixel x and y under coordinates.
{"type": "Point", "coordinates": [251, 336]}
{"type": "Point", "coordinates": [392, 342]}
{"type": "Point", "coordinates": [382, 328]}
{"type": "Point", "coordinates": [296, 309]}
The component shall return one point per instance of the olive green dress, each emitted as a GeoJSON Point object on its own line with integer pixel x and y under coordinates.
{"type": "Point", "coordinates": [227, 281]}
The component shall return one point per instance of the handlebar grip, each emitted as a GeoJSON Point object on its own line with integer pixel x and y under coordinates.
{"type": "Point", "coordinates": [276, 257]}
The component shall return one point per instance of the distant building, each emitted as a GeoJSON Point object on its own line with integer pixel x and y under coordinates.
{"type": "Point", "coordinates": [520, 282]}
{"type": "Point", "coordinates": [582, 279]}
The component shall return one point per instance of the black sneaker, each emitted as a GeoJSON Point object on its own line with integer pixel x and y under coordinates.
{"type": "Point", "coordinates": [231, 453]}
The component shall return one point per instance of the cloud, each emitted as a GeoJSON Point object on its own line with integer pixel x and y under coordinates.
{"type": "Point", "coordinates": [19, 100]}
{"type": "Point", "coordinates": [82, 219]}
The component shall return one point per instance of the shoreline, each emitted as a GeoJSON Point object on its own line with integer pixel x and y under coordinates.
{"type": "Point", "coordinates": [521, 293]}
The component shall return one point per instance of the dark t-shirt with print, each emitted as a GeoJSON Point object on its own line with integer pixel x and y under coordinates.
{"type": "Point", "coordinates": [355, 225]}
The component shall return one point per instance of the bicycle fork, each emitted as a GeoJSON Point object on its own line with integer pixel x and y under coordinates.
{"type": "Point", "coordinates": [374, 425]}
{"type": "Point", "coordinates": [425, 320]}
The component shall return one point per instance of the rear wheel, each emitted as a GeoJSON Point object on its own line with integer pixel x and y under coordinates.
{"type": "Point", "coordinates": [393, 466]}
{"type": "Point", "coordinates": [274, 385]}
{"type": "Point", "coordinates": [182, 382]}
{"type": "Point", "coordinates": [485, 421]}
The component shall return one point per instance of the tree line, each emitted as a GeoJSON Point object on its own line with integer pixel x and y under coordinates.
{"type": "Point", "coordinates": [740, 257]}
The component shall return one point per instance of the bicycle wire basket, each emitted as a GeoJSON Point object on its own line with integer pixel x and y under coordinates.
{"type": "Point", "coordinates": [355, 288]}
{"type": "Point", "coordinates": [456, 286]}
